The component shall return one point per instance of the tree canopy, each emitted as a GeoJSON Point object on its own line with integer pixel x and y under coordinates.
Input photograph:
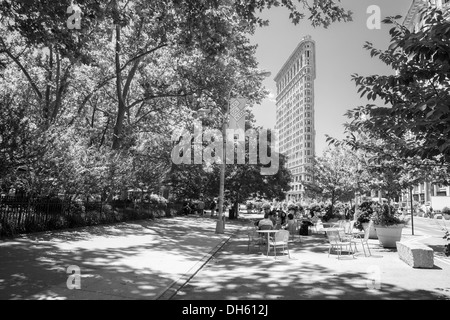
{"type": "Point", "coordinates": [91, 110]}
{"type": "Point", "coordinates": [415, 116]}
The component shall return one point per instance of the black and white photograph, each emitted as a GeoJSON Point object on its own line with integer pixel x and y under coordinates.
{"type": "Point", "coordinates": [225, 158]}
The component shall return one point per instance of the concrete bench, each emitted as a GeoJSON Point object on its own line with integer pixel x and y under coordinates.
{"type": "Point", "coordinates": [416, 255]}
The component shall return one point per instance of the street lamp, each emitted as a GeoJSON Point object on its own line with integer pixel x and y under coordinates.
{"type": "Point", "coordinates": [220, 226]}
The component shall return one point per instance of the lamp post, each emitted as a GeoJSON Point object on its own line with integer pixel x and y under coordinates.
{"type": "Point", "coordinates": [220, 226]}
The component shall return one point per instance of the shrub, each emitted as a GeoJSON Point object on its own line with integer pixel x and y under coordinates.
{"type": "Point", "coordinates": [365, 213]}
{"type": "Point", "coordinates": [446, 210]}
{"type": "Point", "coordinates": [75, 220]}
{"type": "Point", "coordinates": [300, 207]}
{"type": "Point", "coordinates": [385, 215]}
{"type": "Point", "coordinates": [292, 206]}
{"type": "Point", "coordinates": [329, 213]}
{"type": "Point", "coordinates": [315, 209]}
{"type": "Point", "coordinates": [258, 205]}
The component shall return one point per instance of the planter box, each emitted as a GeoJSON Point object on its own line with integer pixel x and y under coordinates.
{"type": "Point", "coordinates": [388, 236]}
{"type": "Point", "coordinates": [372, 232]}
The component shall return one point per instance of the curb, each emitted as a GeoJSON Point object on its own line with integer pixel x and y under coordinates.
{"type": "Point", "coordinates": [170, 291]}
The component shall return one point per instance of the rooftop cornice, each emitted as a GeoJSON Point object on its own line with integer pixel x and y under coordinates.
{"type": "Point", "coordinates": [289, 60]}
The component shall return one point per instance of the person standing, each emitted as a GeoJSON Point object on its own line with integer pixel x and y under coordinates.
{"type": "Point", "coordinates": [212, 207]}
{"type": "Point", "coordinates": [201, 207]}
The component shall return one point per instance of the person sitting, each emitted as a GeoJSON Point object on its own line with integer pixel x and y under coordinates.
{"type": "Point", "coordinates": [266, 221]}
{"type": "Point", "coordinates": [283, 216]}
{"type": "Point", "coordinates": [187, 208]}
{"type": "Point", "coordinates": [291, 224]}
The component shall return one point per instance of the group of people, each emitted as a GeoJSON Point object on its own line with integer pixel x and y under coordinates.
{"type": "Point", "coordinates": [190, 207]}
{"type": "Point", "coordinates": [279, 219]}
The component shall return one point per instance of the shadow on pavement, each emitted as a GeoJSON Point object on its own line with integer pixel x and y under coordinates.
{"type": "Point", "coordinates": [132, 260]}
{"type": "Point", "coordinates": [239, 274]}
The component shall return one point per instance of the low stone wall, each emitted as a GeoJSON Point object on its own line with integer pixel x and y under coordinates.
{"type": "Point", "coordinates": [416, 255]}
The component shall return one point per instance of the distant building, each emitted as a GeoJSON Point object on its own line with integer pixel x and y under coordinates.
{"type": "Point", "coordinates": [413, 19]}
{"type": "Point", "coordinates": [295, 113]}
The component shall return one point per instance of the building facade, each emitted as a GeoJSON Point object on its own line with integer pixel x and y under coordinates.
{"type": "Point", "coordinates": [413, 20]}
{"type": "Point", "coordinates": [295, 113]}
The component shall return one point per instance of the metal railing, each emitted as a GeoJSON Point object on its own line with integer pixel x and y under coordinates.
{"type": "Point", "coordinates": [23, 215]}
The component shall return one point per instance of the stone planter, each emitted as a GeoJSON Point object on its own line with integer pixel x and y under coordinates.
{"type": "Point", "coordinates": [446, 216]}
{"type": "Point", "coordinates": [372, 232]}
{"type": "Point", "coordinates": [389, 235]}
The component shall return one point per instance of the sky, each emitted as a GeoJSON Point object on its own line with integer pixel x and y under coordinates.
{"type": "Point", "coordinates": [339, 54]}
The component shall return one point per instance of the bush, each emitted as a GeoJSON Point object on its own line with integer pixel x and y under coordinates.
{"type": "Point", "coordinates": [75, 220]}
{"type": "Point", "coordinates": [258, 205]}
{"type": "Point", "coordinates": [365, 213]}
{"type": "Point", "coordinates": [292, 206]}
{"type": "Point", "coordinates": [300, 207]}
{"type": "Point", "coordinates": [385, 215]}
{"type": "Point", "coordinates": [445, 210]}
{"type": "Point", "coordinates": [330, 213]}
{"type": "Point", "coordinates": [315, 209]}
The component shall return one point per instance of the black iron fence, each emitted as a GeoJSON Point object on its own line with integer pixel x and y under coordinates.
{"type": "Point", "coordinates": [23, 215]}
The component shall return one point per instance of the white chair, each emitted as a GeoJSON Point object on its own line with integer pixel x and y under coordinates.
{"type": "Point", "coordinates": [280, 239]}
{"type": "Point", "coordinates": [365, 239]}
{"type": "Point", "coordinates": [338, 244]}
{"type": "Point", "coordinates": [348, 227]}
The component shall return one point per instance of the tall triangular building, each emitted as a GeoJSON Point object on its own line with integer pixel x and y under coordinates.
{"type": "Point", "coordinates": [295, 113]}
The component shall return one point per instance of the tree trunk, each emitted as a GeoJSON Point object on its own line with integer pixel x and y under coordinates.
{"type": "Point", "coordinates": [118, 127]}
{"type": "Point", "coordinates": [46, 111]}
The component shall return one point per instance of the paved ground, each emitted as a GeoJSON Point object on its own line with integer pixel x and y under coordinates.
{"type": "Point", "coordinates": [237, 274]}
{"type": "Point", "coordinates": [155, 259]}
{"type": "Point", "coordinates": [133, 260]}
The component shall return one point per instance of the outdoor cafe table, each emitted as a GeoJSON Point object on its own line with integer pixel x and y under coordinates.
{"type": "Point", "coordinates": [268, 232]}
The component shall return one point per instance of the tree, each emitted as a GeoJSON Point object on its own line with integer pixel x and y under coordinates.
{"type": "Point", "coordinates": [81, 107]}
{"type": "Point", "coordinates": [242, 181]}
{"type": "Point", "coordinates": [338, 174]}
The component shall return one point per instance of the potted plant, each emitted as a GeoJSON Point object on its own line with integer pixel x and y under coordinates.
{"type": "Point", "coordinates": [387, 224]}
{"type": "Point", "coordinates": [365, 215]}
{"type": "Point", "coordinates": [446, 213]}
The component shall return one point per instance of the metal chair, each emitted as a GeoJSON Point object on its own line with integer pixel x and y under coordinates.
{"type": "Point", "coordinates": [280, 238]}
{"type": "Point", "coordinates": [365, 240]}
{"type": "Point", "coordinates": [253, 238]}
{"type": "Point", "coordinates": [264, 227]}
{"type": "Point", "coordinates": [338, 244]}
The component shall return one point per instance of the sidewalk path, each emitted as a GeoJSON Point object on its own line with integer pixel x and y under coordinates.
{"type": "Point", "coordinates": [183, 258]}
{"type": "Point", "coordinates": [131, 260]}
